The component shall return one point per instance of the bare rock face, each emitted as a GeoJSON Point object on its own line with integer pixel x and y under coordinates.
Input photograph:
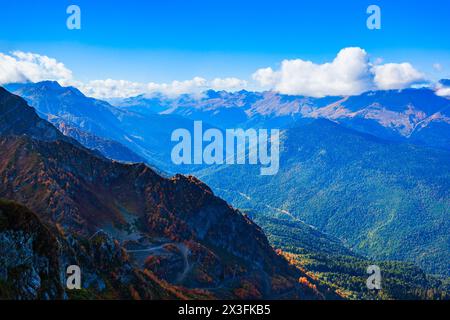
{"type": "Point", "coordinates": [29, 267]}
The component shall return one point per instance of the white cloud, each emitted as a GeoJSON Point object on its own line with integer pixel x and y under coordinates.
{"type": "Point", "coordinates": [110, 88]}
{"type": "Point", "coordinates": [194, 86]}
{"type": "Point", "coordinates": [443, 91]}
{"type": "Point", "coordinates": [228, 84]}
{"type": "Point", "coordinates": [121, 88]}
{"type": "Point", "coordinates": [266, 77]}
{"type": "Point", "coordinates": [21, 67]}
{"type": "Point", "coordinates": [349, 73]}
{"type": "Point", "coordinates": [396, 75]}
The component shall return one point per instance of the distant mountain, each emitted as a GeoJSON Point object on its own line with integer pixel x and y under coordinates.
{"type": "Point", "coordinates": [67, 103]}
{"type": "Point", "coordinates": [150, 236]}
{"type": "Point", "coordinates": [229, 109]}
{"type": "Point", "coordinates": [417, 116]}
{"type": "Point", "coordinates": [383, 199]}
{"type": "Point", "coordinates": [144, 124]}
{"type": "Point", "coordinates": [98, 123]}
{"type": "Point", "coordinates": [108, 148]}
{"type": "Point", "coordinates": [413, 115]}
{"type": "Point", "coordinates": [143, 104]}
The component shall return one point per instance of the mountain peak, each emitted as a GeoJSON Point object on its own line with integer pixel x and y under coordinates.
{"type": "Point", "coordinates": [49, 84]}
{"type": "Point", "coordinates": [41, 87]}
{"type": "Point", "coordinates": [18, 118]}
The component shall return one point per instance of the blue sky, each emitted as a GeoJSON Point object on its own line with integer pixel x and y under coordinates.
{"type": "Point", "coordinates": [168, 40]}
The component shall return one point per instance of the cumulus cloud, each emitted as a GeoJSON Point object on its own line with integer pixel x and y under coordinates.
{"type": "Point", "coordinates": [22, 67]}
{"type": "Point", "coordinates": [443, 88]}
{"type": "Point", "coordinates": [443, 91]}
{"type": "Point", "coordinates": [396, 75]}
{"type": "Point", "coordinates": [228, 84]}
{"type": "Point", "coordinates": [197, 85]}
{"type": "Point", "coordinates": [266, 77]}
{"type": "Point", "coordinates": [121, 88]}
{"type": "Point", "coordinates": [349, 73]}
{"type": "Point", "coordinates": [193, 86]}
{"type": "Point", "coordinates": [109, 88]}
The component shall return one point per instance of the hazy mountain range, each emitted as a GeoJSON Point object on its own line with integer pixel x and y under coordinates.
{"type": "Point", "coordinates": [411, 115]}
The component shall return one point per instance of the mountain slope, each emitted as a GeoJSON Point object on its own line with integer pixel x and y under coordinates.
{"type": "Point", "coordinates": [328, 261]}
{"type": "Point", "coordinates": [17, 119]}
{"type": "Point", "coordinates": [382, 199]}
{"type": "Point", "coordinates": [109, 148]}
{"type": "Point", "coordinates": [146, 135]}
{"type": "Point", "coordinates": [34, 257]}
{"type": "Point", "coordinates": [174, 229]}
{"type": "Point", "coordinates": [415, 115]}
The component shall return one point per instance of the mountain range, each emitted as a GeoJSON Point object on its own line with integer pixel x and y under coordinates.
{"type": "Point", "coordinates": [371, 170]}
{"type": "Point", "coordinates": [133, 233]}
{"type": "Point", "coordinates": [118, 134]}
{"type": "Point", "coordinates": [384, 199]}
{"type": "Point", "coordinates": [416, 116]}
{"type": "Point", "coordinates": [362, 180]}
{"type": "Point", "coordinates": [138, 128]}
